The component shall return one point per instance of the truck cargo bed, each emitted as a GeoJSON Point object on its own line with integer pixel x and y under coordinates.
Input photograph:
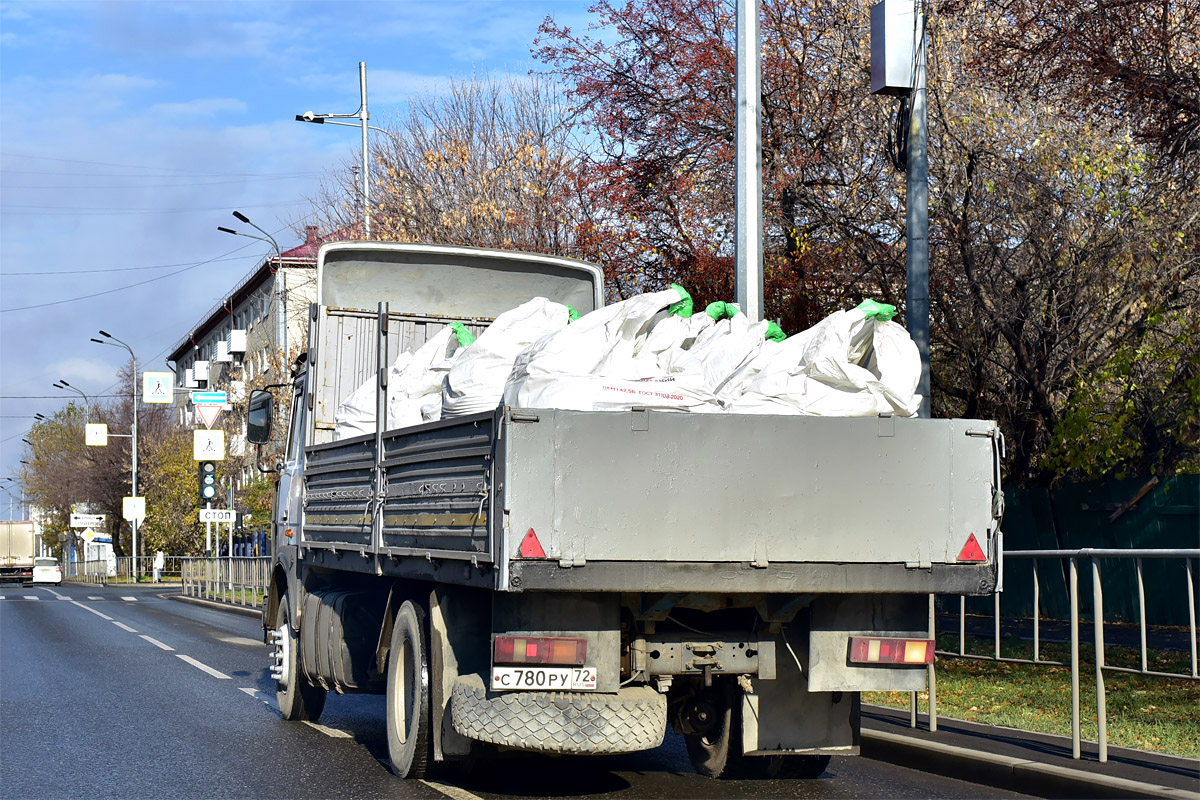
{"type": "Point", "coordinates": [661, 501]}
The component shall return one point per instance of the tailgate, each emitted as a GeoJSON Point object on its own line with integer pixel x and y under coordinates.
{"type": "Point", "coordinates": [646, 486]}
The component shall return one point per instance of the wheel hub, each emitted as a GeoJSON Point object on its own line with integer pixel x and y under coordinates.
{"type": "Point", "coordinates": [282, 641]}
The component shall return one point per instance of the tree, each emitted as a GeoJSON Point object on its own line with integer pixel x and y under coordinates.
{"type": "Point", "coordinates": [483, 165]}
{"type": "Point", "coordinates": [1061, 243]}
{"type": "Point", "coordinates": [1136, 61]}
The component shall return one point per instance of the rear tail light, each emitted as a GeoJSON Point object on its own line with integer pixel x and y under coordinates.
{"type": "Point", "coordinates": [872, 650]}
{"type": "Point", "coordinates": [540, 650]}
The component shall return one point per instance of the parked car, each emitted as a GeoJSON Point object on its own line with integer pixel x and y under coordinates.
{"type": "Point", "coordinates": [46, 570]}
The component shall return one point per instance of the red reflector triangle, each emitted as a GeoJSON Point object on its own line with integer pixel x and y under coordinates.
{"type": "Point", "coordinates": [972, 551]}
{"type": "Point", "coordinates": [532, 548]}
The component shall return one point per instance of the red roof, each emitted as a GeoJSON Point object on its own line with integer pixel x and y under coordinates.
{"type": "Point", "coordinates": [313, 242]}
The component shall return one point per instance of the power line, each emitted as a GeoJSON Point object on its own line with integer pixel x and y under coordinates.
{"type": "Point", "coordinates": [143, 166]}
{"type": "Point", "coordinates": [113, 269]}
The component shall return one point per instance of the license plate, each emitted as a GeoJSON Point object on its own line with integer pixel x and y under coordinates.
{"type": "Point", "coordinates": [505, 679]}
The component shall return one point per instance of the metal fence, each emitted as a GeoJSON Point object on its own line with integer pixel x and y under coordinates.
{"type": "Point", "coordinates": [241, 581]}
{"type": "Point", "coordinates": [121, 570]}
{"type": "Point", "coordinates": [1072, 559]}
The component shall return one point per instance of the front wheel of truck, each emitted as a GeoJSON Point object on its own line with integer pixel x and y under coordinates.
{"type": "Point", "coordinates": [408, 733]}
{"type": "Point", "coordinates": [297, 698]}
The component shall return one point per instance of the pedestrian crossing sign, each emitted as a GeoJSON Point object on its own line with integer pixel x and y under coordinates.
{"type": "Point", "coordinates": [208, 445]}
{"type": "Point", "coordinates": [158, 387]}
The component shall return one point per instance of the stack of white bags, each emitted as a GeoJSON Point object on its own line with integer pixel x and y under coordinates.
{"type": "Point", "coordinates": [650, 351]}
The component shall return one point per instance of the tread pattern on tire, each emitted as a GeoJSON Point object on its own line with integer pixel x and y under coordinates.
{"type": "Point", "coordinates": [632, 720]}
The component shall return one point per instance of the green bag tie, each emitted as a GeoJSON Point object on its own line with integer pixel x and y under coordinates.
{"type": "Point", "coordinates": [572, 314]}
{"type": "Point", "coordinates": [464, 336]}
{"type": "Point", "coordinates": [775, 333]}
{"type": "Point", "coordinates": [875, 310]}
{"type": "Point", "coordinates": [684, 307]}
{"type": "Point", "coordinates": [719, 310]}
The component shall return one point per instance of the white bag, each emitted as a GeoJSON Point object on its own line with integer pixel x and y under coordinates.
{"type": "Point", "coordinates": [476, 381]}
{"type": "Point", "coordinates": [420, 384]}
{"type": "Point", "coordinates": [355, 416]}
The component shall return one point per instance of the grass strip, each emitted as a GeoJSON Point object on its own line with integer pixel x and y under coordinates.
{"type": "Point", "coordinates": [1145, 712]}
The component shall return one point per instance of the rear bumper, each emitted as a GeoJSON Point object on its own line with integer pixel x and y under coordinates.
{"type": "Point", "coordinates": [742, 578]}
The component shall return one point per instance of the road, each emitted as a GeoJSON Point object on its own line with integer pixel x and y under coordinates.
{"type": "Point", "coordinates": [122, 692]}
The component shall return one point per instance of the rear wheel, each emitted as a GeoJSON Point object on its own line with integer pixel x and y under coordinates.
{"type": "Point", "coordinates": [297, 698]}
{"type": "Point", "coordinates": [408, 728]}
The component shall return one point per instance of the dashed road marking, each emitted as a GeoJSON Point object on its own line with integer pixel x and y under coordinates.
{"type": "Point", "coordinates": [123, 626]}
{"type": "Point", "coordinates": [451, 791]}
{"type": "Point", "coordinates": [92, 597]}
{"type": "Point", "coordinates": [32, 597]}
{"type": "Point", "coordinates": [157, 643]}
{"type": "Point", "coordinates": [56, 594]}
{"type": "Point", "coordinates": [94, 611]}
{"type": "Point", "coordinates": [204, 667]}
{"type": "Point", "coordinates": [129, 599]}
{"type": "Point", "coordinates": [331, 732]}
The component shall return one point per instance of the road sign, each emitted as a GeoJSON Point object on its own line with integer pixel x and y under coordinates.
{"type": "Point", "coordinates": [133, 508]}
{"type": "Point", "coordinates": [217, 515]}
{"type": "Point", "coordinates": [87, 520]}
{"type": "Point", "coordinates": [158, 387]}
{"type": "Point", "coordinates": [208, 445]}
{"type": "Point", "coordinates": [95, 434]}
{"type": "Point", "coordinates": [208, 414]}
{"type": "Point", "coordinates": [88, 535]}
{"type": "Point", "coordinates": [209, 398]}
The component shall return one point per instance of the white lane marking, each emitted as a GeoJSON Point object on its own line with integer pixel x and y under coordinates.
{"type": "Point", "coordinates": [331, 732]}
{"type": "Point", "coordinates": [56, 594]}
{"type": "Point", "coordinates": [129, 599]}
{"type": "Point", "coordinates": [266, 701]}
{"type": "Point", "coordinates": [157, 643]}
{"type": "Point", "coordinates": [94, 611]}
{"type": "Point", "coordinates": [32, 597]}
{"type": "Point", "coordinates": [123, 626]}
{"type": "Point", "coordinates": [92, 597]}
{"type": "Point", "coordinates": [204, 667]}
{"type": "Point", "coordinates": [451, 791]}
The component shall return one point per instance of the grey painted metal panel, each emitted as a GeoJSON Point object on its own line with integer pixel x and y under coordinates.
{"type": "Point", "coordinates": [346, 353]}
{"type": "Point", "coordinates": [661, 486]}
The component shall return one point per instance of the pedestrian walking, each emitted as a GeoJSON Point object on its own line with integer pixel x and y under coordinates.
{"type": "Point", "coordinates": [160, 561]}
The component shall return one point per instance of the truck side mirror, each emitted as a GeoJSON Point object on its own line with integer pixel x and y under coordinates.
{"type": "Point", "coordinates": [259, 416]}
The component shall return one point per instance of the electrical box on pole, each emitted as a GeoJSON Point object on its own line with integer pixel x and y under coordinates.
{"type": "Point", "coordinates": [892, 47]}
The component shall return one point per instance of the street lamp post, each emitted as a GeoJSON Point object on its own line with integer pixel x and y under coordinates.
{"type": "Point", "coordinates": [87, 403]}
{"type": "Point", "coordinates": [245, 219]}
{"type": "Point", "coordinates": [362, 116]}
{"type": "Point", "coordinates": [109, 339]}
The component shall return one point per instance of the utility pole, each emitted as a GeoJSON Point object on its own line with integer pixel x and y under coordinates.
{"type": "Point", "coordinates": [916, 296]}
{"type": "Point", "coordinates": [748, 277]}
{"type": "Point", "coordinates": [898, 60]}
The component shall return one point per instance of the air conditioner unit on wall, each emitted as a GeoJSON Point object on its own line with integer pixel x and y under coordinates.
{"type": "Point", "coordinates": [201, 370]}
{"type": "Point", "coordinates": [237, 341]}
{"type": "Point", "coordinates": [223, 352]}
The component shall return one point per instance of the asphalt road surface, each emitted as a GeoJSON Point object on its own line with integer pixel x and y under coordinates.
{"type": "Point", "coordinates": [122, 692]}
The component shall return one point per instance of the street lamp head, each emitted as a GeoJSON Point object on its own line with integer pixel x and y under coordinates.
{"type": "Point", "coordinates": [309, 116]}
{"type": "Point", "coordinates": [242, 217]}
{"type": "Point", "coordinates": [106, 334]}
{"type": "Point", "coordinates": [39, 417]}
{"type": "Point", "coordinates": [97, 341]}
{"type": "Point", "coordinates": [227, 230]}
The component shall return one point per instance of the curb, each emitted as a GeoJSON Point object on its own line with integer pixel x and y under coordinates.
{"type": "Point", "coordinates": [246, 611]}
{"type": "Point", "coordinates": [1007, 772]}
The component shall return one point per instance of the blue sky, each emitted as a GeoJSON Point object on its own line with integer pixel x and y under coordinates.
{"type": "Point", "coordinates": [132, 129]}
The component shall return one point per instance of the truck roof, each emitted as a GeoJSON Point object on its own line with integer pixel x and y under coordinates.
{"type": "Point", "coordinates": [450, 280]}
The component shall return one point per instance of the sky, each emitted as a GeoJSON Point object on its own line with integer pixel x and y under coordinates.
{"type": "Point", "coordinates": [131, 130]}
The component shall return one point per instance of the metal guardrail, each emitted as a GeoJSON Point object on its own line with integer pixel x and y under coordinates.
{"type": "Point", "coordinates": [1095, 556]}
{"type": "Point", "coordinates": [239, 580]}
{"type": "Point", "coordinates": [120, 570]}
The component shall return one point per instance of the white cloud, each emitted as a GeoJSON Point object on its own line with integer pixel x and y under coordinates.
{"type": "Point", "coordinates": [198, 108]}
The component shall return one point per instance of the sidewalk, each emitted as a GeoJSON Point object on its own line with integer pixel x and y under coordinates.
{"type": "Point", "coordinates": [1023, 761]}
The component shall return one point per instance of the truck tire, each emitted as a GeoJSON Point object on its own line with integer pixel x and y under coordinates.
{"type": "Point", "coordinates": [408, 730]}
{"type": "Point", "coordinates": [632, 720]}
{"type": "Point", "coordinates": [297, 698]}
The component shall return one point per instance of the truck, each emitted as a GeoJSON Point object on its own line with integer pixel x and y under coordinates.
{"type": "Point", "coordinates": [577, 582]}
{"type": "Point", "coordinates": [18, 546]}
